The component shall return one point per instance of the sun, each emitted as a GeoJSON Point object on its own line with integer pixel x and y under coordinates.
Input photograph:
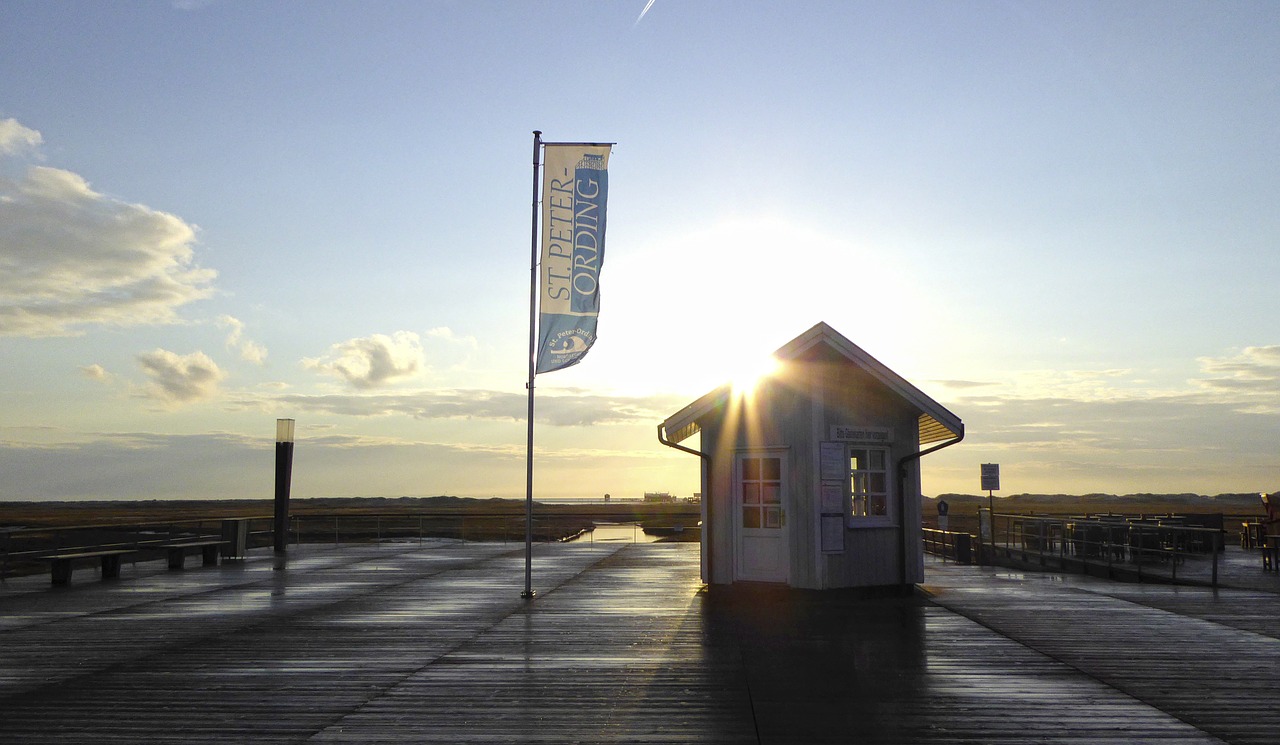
{"type": "Point", "coordinates": [751, 372]}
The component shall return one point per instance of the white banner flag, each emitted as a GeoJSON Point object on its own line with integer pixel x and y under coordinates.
{"type": "Point", "coordinates": [575, 189]}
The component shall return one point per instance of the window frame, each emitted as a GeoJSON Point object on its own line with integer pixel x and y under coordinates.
{"type": "Point", "coordinates": [868, 474]}
{"type": "Point", "coordinates": [763, 507]}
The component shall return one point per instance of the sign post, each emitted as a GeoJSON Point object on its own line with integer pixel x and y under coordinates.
{"type": "Point", "coordinates": [991, 483]}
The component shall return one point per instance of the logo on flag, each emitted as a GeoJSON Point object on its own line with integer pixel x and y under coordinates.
{"type": "Point", "coordinates": [575, 190]}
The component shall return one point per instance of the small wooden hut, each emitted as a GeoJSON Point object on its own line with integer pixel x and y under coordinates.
{"type": "Point", "coordinates": [812, 478]}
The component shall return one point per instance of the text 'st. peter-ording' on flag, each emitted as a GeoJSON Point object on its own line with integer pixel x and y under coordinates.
{"type": "Point", "coordinates": [575, 189]}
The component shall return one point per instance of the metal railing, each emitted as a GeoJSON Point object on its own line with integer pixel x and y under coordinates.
{"type": "Point", "coordinates": [1144, 548]}
{"type": "Point", "coordinates": [350, 528]}
{"type": "Point", "coordinates": [22, 549]}
{"type": "Point", "coordinates": [362, 528]}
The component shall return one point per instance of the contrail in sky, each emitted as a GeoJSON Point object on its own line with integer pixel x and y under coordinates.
{"type": "Point", "coordinates": [646, 10]}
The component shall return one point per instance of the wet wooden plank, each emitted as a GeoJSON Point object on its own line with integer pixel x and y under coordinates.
{"type": "Point", "coordinates": [1210, 657]}
{"type": "Point", "coordinates": [623, 644]}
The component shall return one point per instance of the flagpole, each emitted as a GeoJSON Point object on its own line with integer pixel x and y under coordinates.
{"type": "Point", "coordinates": [533, 351]}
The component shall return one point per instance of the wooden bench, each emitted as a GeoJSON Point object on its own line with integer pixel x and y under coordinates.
{"type": "Point", "coordinates": [178, 551]}
{"type": "Point", "coordinates": [1271, 554]}
{"type": "Point", "coordinates": [61, 563]}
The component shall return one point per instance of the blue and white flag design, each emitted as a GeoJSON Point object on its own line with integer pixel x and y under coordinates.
{"type": "Point", "coordinates": [575, 190]}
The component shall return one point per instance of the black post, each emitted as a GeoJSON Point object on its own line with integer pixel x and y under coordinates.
{"type": "Point", "coordinates": [284, 470]}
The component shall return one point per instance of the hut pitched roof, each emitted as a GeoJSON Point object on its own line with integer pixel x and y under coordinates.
{"type": "Point", "coordinates": [936, 422]}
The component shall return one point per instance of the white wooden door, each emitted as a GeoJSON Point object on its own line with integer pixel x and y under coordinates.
{"type": "Point", "coordinates": [760, 517]}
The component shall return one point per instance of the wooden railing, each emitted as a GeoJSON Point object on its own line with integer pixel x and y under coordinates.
{"type": "Point", "coordinates": [950, 545]}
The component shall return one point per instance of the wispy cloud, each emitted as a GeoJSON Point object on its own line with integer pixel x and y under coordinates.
{"type": "Point", "coordinates": [446, 334]}
{"type": "Point", "coordinates": [150, 465]}
{"type": "Point", "coordinates": [249, 350]}
{"type": "Point", "coordinates": [1254, 365]}
{"type": "Point", "coordinates": [1110, 431]}
{"type": "Point", "coordinates": [564, 409]}
{"type": "Point", "coordinates": [960, 385]}
{"type": "Point", "coordinates": [71, 257]}
{"type": "Point", "coordinates": [134, 465]}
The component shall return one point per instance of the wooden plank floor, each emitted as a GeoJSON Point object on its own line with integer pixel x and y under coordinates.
{"type": "Point", "coordinates": [409, 644]}
{"type": "Point", "coordinates": [1210, 657]}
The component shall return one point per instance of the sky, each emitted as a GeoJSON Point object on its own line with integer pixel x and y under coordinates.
{"type": "Point", "coordinates": [1059, 220]}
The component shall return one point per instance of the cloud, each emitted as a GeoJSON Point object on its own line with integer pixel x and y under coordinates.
{"type": "Point", "coordinates": [420, 405]}
{"type": "Point", "coordinates": [15, 138]}
{"type": "Point", "coordinates": [249, 350]}
{"type": "Point", "coordinates": [134, 465]}
{"type": "Point", "coordinates": [1249, 380]}
{"type": "Point", "coordinates": [96, 372]}
{"type": "Point", "coordinates": [180, 378]}
{"type": "Point", "coordinates": [963, 384]}
{"type": "Point", "coordinates": [444, 333]}
{"type": "Point", "coordinates": [1254, 368]}
{"type": "Point", "coordinates": [71, 257]}
{"type": "Point", "coordinates": [1131, 442]}
{"type": "Point", "coordinates": [374, 361]}
{"type": "Point", "coordinates": [1109, 431]}
{"type": "Point", "coordinates": [223, 465]}
{"type": "Point", "coordinates": [252, 351]}
{"type": "Point", "coordinates": [585, 409]}
{"type": "Point", "coordinates": [565, 409]}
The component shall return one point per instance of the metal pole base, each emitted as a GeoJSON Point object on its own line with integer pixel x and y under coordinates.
{"type": "Point", "coordinates": [529, 594]}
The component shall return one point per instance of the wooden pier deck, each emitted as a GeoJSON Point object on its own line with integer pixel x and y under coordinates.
{"type": "Point", "coordinates": [408, 643]}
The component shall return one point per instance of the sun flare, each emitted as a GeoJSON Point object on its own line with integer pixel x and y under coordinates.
{"type": "Point", "coordinates": [749, 374]}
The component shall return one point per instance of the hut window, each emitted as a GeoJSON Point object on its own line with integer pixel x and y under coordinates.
{"type": "Point", "coordinates": [868, 483]}
{"type": "Point", "coordinates": [762, 493]}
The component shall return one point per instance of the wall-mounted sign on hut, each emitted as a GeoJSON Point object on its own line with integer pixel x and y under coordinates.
{"type": "Point", "coordinates": [813, 477]}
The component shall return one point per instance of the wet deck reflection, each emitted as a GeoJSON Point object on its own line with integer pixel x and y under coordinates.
{"type": "Point", "coordinates": [623, 644]}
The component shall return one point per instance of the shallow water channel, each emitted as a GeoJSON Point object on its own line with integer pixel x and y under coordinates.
{"type": "Point", "coordinates": [616, 533]}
